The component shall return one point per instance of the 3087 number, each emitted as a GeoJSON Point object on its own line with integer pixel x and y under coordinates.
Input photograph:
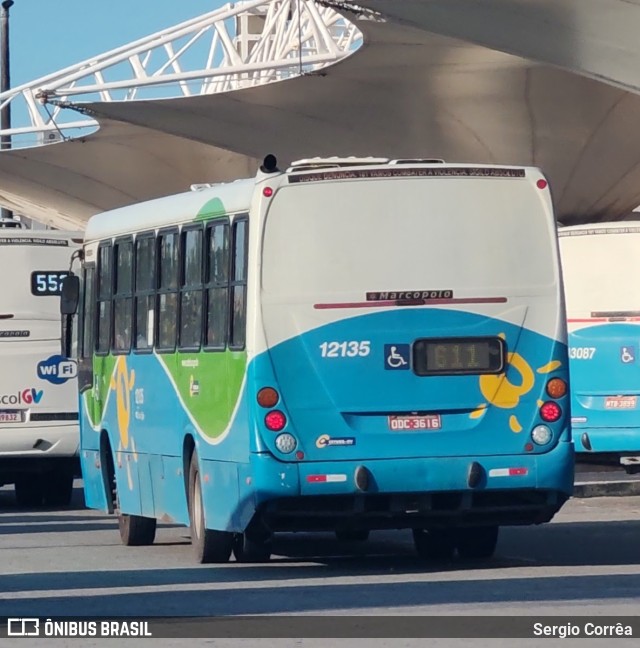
{"type": "Point", "coordinates": [582, 353]}
{"type": "Point", "coordinates": [351, 349]}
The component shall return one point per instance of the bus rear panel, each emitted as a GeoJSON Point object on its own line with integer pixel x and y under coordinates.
{"type": "Point", "coordinates": [411, 329]}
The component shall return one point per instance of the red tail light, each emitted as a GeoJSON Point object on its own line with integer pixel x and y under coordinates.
{"type": "Point", "coordinates": [550, 412]}
{"type": "Point", "coordinates": [275, 421]}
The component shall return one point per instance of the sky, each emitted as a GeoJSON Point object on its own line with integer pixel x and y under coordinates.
{"type": "Point", "coordinates": [48, 35]}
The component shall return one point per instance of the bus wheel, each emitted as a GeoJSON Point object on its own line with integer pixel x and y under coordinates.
{"type": "Point", "coordinates": [251, 550]}
{"type": "Point", "coordinates": [210, 546]}
{"type": "Point", "coordinates": [59, 488]}
{"type": "Point", "coordinates": [352, 535]}
{"type": "Point", "coordinates": [30, 490]}
{"type": "Point", "coordinates": [477, 542]}
{"type": "Point", "coordinates": [435, 545]}
{"type": "Point", "coordinates": [136, 531]}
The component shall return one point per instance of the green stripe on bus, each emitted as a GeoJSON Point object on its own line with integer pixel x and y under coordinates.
{"type": "Point", "coordinates": [211, 209]}
{"type": "Point", "coordinates": [209, 385]}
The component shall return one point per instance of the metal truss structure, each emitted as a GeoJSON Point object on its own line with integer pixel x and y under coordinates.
{"type": "Point", "coordinates": [237, 46]}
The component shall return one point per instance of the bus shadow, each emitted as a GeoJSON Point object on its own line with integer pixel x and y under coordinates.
{"type": "Point", "coordinates": [387, 554]}
{"type": "Point", "coordinates": [303, 597]}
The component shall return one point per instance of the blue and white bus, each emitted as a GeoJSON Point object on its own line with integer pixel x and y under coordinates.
{"type": "Point", "coordinates": [603, 310]}
{"type": "Point", "coordinates": [352, 344]}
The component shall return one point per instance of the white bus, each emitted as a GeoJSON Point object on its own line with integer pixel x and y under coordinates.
{"type": "Point", "coordinates": [38, 402]}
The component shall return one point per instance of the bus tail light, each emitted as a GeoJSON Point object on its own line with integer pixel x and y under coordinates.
{"type": "Point", "coordinates": [550, 412]}
{"type": "Point", "coordinates": [275, 420]}
{"type": "Point", "coordinates": [268, 397]}
{"type": "Point", "coordinates": [556, 388]}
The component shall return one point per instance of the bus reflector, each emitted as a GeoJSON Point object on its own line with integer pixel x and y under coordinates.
{"type": "Point", "coordinates": [268, 397]}
{"type": "Point", "coordinates": [275, 421]}
{"type": "Point", "coordinates": [556, 388]}
{"type": "Point", "coordinates": [508, 472]}
{"type": "Point", "coordinates": [550, 412]}
{"type": "Point", "coordinates": [267, 192]}
{"type": "Point", "coordinates": [541, 184]}
{"type": "Point", "coordinates": [316, 479]}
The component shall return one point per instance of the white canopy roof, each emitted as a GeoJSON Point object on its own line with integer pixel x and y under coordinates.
{"type": "Point", "coordinates": [406, 93]}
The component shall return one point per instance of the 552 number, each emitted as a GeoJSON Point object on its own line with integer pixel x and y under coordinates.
{"type": "Point", "coordinates": [351, 349]}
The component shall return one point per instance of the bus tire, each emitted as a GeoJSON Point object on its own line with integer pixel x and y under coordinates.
{"type": "Point", "coordinates": [59, 489]}
{"type": "Point", "coordinates": [474, 543]}
{"type": "Point", "coordinates": [30, 491]}
{"type": "Point", "coordinates": [352, 535]}
{"type": "Point", "coordinates": [434, 545]}
{"type": "Point", "coordinates": [210, 546]}
{"type": "Point", "coordinates": [136, 531]}
{"type": "Point", "coordinates": [248, 550]}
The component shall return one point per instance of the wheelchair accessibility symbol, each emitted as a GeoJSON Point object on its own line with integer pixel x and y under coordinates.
{"type": "Point", "coordinates": [627, 354]}
{"type": "Point", "coordinates": [396, 356]}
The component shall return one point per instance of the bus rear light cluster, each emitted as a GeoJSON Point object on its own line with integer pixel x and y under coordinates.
{"type": "Point", "coordinates": [556, 388]}
{"type": "Point", "coordinates": [275, 420]}
{"type": "Point", "coordinates": [268, 397]}
{"type": "Point", "coordinates": [550, 412]}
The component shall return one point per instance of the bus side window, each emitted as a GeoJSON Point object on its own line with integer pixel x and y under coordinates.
{"type": "Point", "coordinates": [191, 289]}
{"type": "Point", "coordinates": [167, 306]}
{"type": "Point", "coordinates": [123, 299]}
{"type": "Point", "coordinates": [238, 284]}
{"type": "Point", "coordinates": [105, 275]}
{"type": "Point", "coordinates": [145, 286]}
{"type": "Point", "coordinates": [88, 315]}
{"type": "Point", "coordinates": [217, 284]}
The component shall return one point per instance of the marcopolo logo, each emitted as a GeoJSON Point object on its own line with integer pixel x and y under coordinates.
{"type": "Point", "coordinates": [57, 369]}
{"type": "Point", "coordinates": [29, 396]}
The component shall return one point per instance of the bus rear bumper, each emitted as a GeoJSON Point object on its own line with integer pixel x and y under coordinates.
{"type": "Point", "coordinates": [419, 493]}
{"type": "Point", "coordinates": [38, 449]}
{"type": "Point", "coordinates": [37, 442]}
{"type": "Point", "coordinates": [593, 440]}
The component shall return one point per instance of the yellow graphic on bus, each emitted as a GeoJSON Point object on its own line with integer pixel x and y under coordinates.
{"type": "Point", "coordinates": [123, 382]}
{"type": "Point", "coordinates": [500, 391]}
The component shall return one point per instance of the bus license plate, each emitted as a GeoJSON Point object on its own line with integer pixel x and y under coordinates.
{"type": "Point", "coordinates": [11, 416]}
{"type": "Point", "coordinates": [620, 402]}
{"type": "Point", "coordinates": [428, 422]}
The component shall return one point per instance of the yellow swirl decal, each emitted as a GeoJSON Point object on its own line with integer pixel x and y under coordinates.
{"type": "Point", "coordinates": [500, 391]}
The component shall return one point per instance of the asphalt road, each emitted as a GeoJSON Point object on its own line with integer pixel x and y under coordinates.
{"type": "Point", "coordinates": [55, 563]}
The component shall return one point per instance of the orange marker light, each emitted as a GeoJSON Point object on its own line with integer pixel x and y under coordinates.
{"type": "Point", "coordinates": [556, 388]}
{"type": "Point", "coordinates": [268, 397]}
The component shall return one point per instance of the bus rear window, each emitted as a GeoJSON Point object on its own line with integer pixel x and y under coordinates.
{"type": "Point", "coordinates": [475, 237]}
